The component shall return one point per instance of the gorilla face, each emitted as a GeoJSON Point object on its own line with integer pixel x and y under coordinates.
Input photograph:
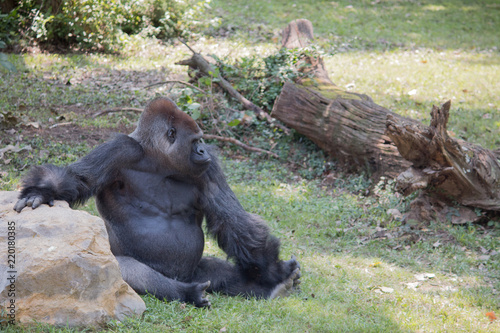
{"type": "Point", "coordinates": [199, 154]}
{"type": "Point", "coordinates": [173, 137]}
{"type": "Point", "coordinates": [186, 151]}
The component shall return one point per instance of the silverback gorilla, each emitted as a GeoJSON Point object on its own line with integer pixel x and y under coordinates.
{"type": "Point", "coordinates": [153, 188]}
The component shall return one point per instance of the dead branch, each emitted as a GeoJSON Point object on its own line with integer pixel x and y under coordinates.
{"type": "Point", "coordinates": [197, 61]}
{"type": "Point", "coordinates": [176, 81]}
{"type": "Point", "coordinates": [100, 113]}
{"type": "Point", "coordinates": [186, 45]}
{"type": "Point", "coordinates": [449, 168]}
{"type": "Point", "coordinates": [239, 143]}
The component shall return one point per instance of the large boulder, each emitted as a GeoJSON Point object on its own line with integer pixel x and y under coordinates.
{"type": "Point", "coordinates": [64, 272]}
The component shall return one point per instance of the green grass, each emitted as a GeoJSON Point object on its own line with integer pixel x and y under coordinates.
{"type": "Point", "coordinates": [469, 79]}
{"type": "Point", "coordinates": [348, 245]}
{"type": "Point", "coordinates": [366, 24]}
{"type": "Point", "coordinates": [345, 267]}
{"type": "Point", "coordinates": [442, 50]}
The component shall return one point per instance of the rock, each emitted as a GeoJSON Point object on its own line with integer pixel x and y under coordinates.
{"type": "Point", "coordinates": [64, 272]}
{"type": "Point", "coordinates": [395, 213]}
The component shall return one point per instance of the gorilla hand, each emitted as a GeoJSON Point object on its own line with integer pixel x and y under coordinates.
{"type": "Point", "coordinates": [296, 272]}
{"type": "Point", "coordinates": [33, 198]}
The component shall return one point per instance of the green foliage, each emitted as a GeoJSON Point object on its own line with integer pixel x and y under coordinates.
{"type": "Point", "coordinates": [189, 101]}
{"type": "Point", "coordinates": [86, 23]}
{"type": "Point", "coordinates": [100, 24]}
{"type": "Point", "coordinates": [261, 79]}
{"type": "Point", "coordinates": [9, 25]}
{"type": "Point", "coordinates": [173, 18]}
{"type": "Point", "coordinates": [4, 60]}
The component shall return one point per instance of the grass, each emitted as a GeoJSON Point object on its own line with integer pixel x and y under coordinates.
{"type": "Point", "coordinates": [360, 266]}
{"type": "Point", "coordinates": [366, 24]}
{"type": "Point", "coordinates": [410, 82]}
{"type": "Point", "coordinates": [345, 268]}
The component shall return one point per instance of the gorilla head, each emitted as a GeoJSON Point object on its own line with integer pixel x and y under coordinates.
{"type": "Point", "coordinates": [172, 136]}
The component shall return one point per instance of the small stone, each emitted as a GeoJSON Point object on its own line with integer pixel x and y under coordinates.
{"type": "Point", "coordinates": [396, 214]}
{"type": "Point", "coordinates": [386, 290]}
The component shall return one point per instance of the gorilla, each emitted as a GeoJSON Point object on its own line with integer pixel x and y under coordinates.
{"type": "Point", "coordinates": [153, 189]}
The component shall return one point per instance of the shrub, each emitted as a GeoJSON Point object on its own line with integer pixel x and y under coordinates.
{"type": "Point", "coordinates": [100, 24]}
{"type": "Point", "coordinates": [260, 80]}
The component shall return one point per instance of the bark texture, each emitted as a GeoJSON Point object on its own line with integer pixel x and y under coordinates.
{"type": "Point", "coordinates": [455, 169]}
{"type": "Point", "coordinates": [348, 126]}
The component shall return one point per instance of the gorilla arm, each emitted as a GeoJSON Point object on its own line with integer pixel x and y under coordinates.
{"type": "Point", "coordinates": [243, 236]}
{"type": "Point", "coordinates": [79, 181]}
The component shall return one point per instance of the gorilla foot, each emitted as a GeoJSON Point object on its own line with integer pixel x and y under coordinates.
{"type": "Point", "coordinates": [197, 295]}
{"type": "Point", "coordinates": [293, 265]}
{"type": "Point", "coordinates": [286, 287]}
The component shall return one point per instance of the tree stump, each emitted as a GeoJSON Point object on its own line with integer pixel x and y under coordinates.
{"type": "Point", "coordinates": [455, 170]}
{"type": "Point", "coordinates": [297, 34]}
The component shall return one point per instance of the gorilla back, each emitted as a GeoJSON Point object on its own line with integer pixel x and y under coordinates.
{"type": "Point", "coordinates": [153, 188]}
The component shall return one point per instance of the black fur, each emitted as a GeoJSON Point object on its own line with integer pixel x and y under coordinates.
{"type": "Point", "coordinates": [153, 188]}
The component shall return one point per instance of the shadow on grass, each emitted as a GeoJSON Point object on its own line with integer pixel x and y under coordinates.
{"type": "Point", "coordinates": [344, 265]}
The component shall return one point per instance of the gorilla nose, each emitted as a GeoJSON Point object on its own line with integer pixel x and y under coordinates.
{"type": "Point", "coordinates": [200, 150]}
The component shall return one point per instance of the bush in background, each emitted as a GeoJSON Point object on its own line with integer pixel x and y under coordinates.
{"type": "Point", "coordinates": [96, 24]}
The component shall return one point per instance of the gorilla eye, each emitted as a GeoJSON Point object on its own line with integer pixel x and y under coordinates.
{"type": "Point", "coordinates": [171, 135]}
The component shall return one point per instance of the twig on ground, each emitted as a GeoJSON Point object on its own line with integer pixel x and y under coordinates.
{"type": "Point", "coordinates": [176, 81]}
{"type": "Point", "coordinates": [185, 44]}
{"type": "Point", "coordinates": [239, 143]}
{"type": "Point", "coordinates": [61, 124]}
{"type": "Point", "coordinates": [100, 113]}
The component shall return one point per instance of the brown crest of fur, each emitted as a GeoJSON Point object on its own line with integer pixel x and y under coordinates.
{"type": "Point", "coordinates": [164, 108]}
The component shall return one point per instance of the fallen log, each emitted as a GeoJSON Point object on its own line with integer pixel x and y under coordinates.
{"type": "Point", "coordinates": [455, 176]}
{"type": "Point", "coordinates": [347, 126]}
{"type": "Point", "coordinates": [451, 169]}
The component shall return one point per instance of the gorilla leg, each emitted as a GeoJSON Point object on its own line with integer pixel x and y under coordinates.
{"type": "Point", "coordinates": [143, 279]}
{"type": "Point", "coordinates": [228, 279]}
